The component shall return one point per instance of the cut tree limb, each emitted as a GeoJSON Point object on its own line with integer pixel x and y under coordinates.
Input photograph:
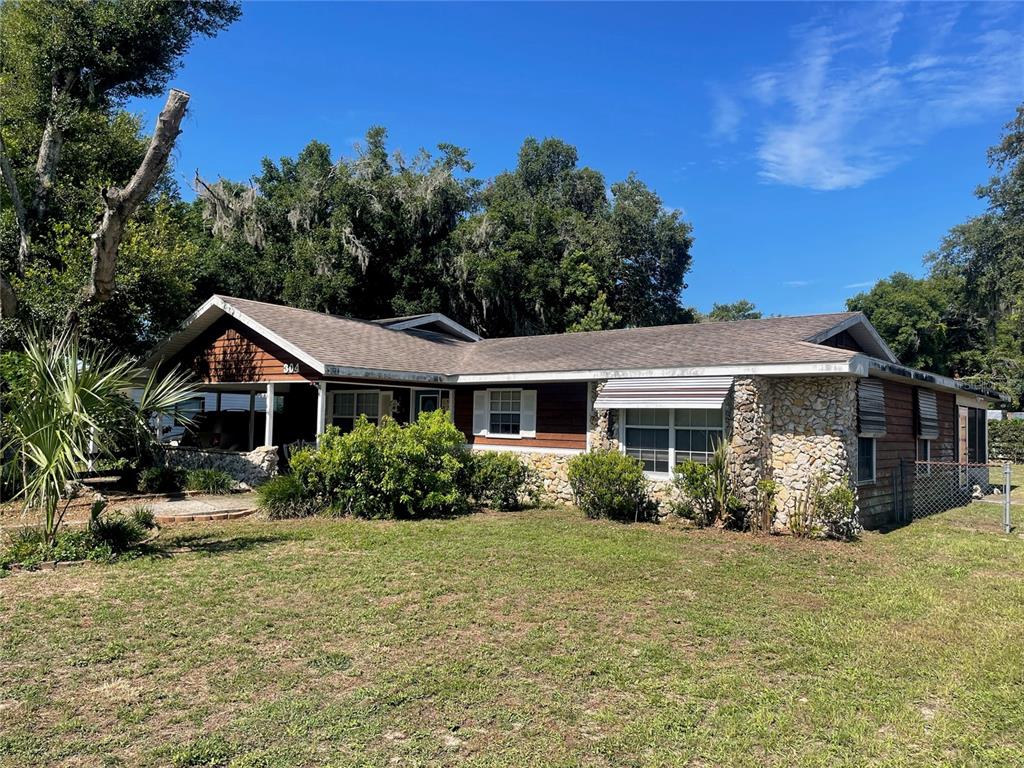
{"type": "Point", "coordinates": [119, 204]}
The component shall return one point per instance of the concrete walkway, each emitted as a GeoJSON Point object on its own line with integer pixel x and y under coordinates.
{"type": "Point", "coordinates": [200, 508]}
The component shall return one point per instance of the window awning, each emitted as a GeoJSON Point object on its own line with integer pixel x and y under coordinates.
{"type": "Point", "coordinates": [927, 415]}
{"type": "Point", "coordinates": [871, 407]}
{"type": "Point", "coordinates": [681, 392]}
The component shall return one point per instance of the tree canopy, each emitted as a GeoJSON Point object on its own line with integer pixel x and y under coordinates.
{"type": "Point", "coordinates": [737, 310]}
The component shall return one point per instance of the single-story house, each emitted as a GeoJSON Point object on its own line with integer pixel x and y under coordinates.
{"type": "Point", "coordinates": [793, 396]}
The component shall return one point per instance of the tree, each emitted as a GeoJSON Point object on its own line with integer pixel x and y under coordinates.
{"type": "Point", "coordinates": [67, 70]}
{"type": "Point", "coordinates": [738, 310]}
{"type": "Point", "coordinates": [65, 398]}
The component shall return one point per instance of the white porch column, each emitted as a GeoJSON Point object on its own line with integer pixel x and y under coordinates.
{"type": "Point", "coordinates": [321, 408]}
{"type": "Point", "coordinates": [268, 432]}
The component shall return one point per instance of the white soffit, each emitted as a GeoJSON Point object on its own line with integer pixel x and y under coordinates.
{"type": "Point", "coordinates": [679, 392]}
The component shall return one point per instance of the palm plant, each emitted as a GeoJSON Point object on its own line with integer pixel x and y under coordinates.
{"type": "Point", "coordinates": [71, 401]}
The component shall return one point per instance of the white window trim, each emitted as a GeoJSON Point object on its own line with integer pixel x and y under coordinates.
{"type": "Point", "coordinates": [926, 469]}
{"type": "Point", "coordinates": [874, 460]}
{"type": "Point", "coordinates": [671, 436]}
{"type": "Point", "coordinates": [487, 432]}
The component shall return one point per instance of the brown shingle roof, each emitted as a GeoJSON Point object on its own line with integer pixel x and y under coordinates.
{"type": "Point", "coordinates": [342, 342]}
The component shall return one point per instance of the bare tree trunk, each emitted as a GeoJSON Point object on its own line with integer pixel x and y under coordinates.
{"type": "Point", "coordinates": [19, 207]}
{"type": "Point", "coordinates": [52, 144]}
{"type": "Point", "coordinates": [119, 204]}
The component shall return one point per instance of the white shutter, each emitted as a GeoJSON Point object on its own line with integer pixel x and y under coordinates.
{"type": "Point", "coordinates": [528, 416]}
{"type": "Point", "coordinates": [480, 414]}
{"type": "Point", "coordinates": [385, 404]}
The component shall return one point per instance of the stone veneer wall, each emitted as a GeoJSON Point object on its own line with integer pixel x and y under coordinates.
{"type": "Point", "coordinates": [251, 468]}
{"type": "Point", "coordinates": [553, 469]}
{"type": "Point", "coordinates": [785, 428]}
{"type": "Point", "coordinates": [814, 431]}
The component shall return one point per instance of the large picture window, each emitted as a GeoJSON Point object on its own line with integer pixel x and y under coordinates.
{"type": "Point", "coordinates": [349, 406]}
{"type": "Point", "coordinates": [505, 409]}
{"type": "Point", "coordinates": [662, 438]}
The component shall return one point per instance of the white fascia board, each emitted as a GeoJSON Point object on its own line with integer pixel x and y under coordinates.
{"type": "Point", "coordinates": [268, 334]}
{"type": "Point", "coordinates": [866, 325]}
{"type": "Point", "coordinates": [886, 370]}
{"type": "Point", "coordinates": [348, 372]}
{"type": "Point", "coordinates": [435, 317]}
{"type": "Point", "coordinates": [170, 345]}
{"type": "Point", "coordinates": [841, 368]}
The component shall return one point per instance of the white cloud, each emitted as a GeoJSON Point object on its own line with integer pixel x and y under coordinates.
{"type": "Point", "coordinates": [798, 283]}
{"type": "Point", "coordinates": [865, 84]}
{"type": "Point", "coordinates": [726, 115]}
{"type": "Point", "coordinates": [865, 284]}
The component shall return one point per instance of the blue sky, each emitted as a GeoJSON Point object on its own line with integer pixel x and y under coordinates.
{"type": "Point", "coordinates": [814, 148]}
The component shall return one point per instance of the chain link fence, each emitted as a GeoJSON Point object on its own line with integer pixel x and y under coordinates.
{"type": "Point", "coordinates": [925, 488]}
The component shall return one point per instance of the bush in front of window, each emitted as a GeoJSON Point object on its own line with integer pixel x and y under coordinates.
{"type": "Point", "coordinates": [500, 480]}
{"type": "Point", "coordinates": [705, 494]}
{"type": "Point", "coordinates": [1006, 440]}
{"type": "Point", "coordinates": [610, 484]}
{"type": "Point", "coordinates": [387, 470]}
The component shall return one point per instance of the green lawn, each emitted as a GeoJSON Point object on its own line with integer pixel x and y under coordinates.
{"type": "Point", "coordinates": [529, 639]}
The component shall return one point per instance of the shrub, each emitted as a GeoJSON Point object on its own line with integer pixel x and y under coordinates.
{"type": "Point", "coordinates": [209, 481]}
{"type": "Point", "coordinates": [705, 491]}
{"type": "Point", "coordinates": [161, 479]}
{"type": "Point", "coordinates": [829, 513]}
{"type": "Point", "coordinates": [283, 497]}
{"type": "Point", "coordinates": [610, 484]}
{"type": "Point", "coordinates": [1006, 440]}
{"type": "Point", "coordinates": [501, 480]}
{"type": "Point", "coordinates": [387, 470]}
{"type": "Point", "coordinates": [119, 531]}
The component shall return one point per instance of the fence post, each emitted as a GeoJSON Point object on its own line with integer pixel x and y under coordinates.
{"type": "Point", "coordinates": [1006, 497]}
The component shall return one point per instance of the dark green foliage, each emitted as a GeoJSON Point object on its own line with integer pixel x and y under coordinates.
{"type": "Point", "coordinates": [500, 480]}
{"type": "Point", "coordinates": [610, 484]}
{"type": "Point", "coordinates": [120, 531]}
{"type": "Point", "coordinates": [161, 479]}
{"type": "Point", "coordinates": [1006, 440]}
{"type": "Point", "coordinates": [209, 481]}
{"type": "Point", "coordinates": [283, 497]}
{"type": "Point", "coordinates": [738, 310]}
{"type": "Point", "coordinates": [388, 470]}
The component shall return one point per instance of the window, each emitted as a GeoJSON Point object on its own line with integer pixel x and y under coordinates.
{"type": "Point", "coordinates": [348, 406]}
{"type": "Point", "coordinates": [662, 438]}
{"type": "Point", "coordinates": [977, 423]}
{"type": "Point", "coordinates": [506, 408]}
{"type": "Point", "coordinates": [698, 433]}
{"type": "Point", "coordinates": [924, 455]}
{"type": "Point", "coordinates": [865, 460]}
{"type": "Point", "coordinates": [647, 436]}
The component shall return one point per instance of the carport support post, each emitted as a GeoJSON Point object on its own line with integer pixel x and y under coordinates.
{"type": "Point", "coordinates": [1006, 497]}
{"type": "Point", "coordinates": [321, 408]}
{"type": "Point", "coordinates": [268, 432]}
{"type": "Point", "coordinates": [252, 419]}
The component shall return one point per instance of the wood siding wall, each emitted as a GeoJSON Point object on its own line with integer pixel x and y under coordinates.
{"type": "Point", "coordinates": [561, 417]}
{"type": "Point", "coordinates": [229, 352]}
{"type": "Point", "coordinates": [876, 500]}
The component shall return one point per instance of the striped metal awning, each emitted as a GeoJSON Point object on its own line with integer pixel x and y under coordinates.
{"type": "Point", "coordinates": [682, 392]}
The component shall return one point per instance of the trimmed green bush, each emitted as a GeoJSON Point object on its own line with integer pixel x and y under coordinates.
{"type": "Point", "coordinates": [284, 497]}
{"type": "Point", "coordinates": [500, 480]}
{"type": "Point", "coordinates": [161, 479]}
{"type": "Point", "coordinates": [388, 470]}
{"type": "Point", "coordinates": [610, 484]}
{"type": "Point", "coordinates": [1006, 440]}
{"type": "Point", "coordinates": [209, 481]}
{"type": "Point", "coordinates": [705, 490]}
